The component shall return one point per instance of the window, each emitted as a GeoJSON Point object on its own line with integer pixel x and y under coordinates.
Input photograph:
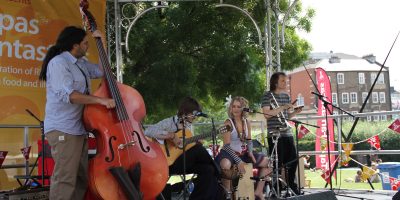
{"type": "Point", "coordinates": [375, 98]}
{"type": "Point", "coordinates": [340, 78]}
{"type": "Point", "coordinates": [383, 117]}
{"type": "Point", "coordinates": [382, 98]}
{"type": "Point", "coordinates": [376, 118]}
{"type": "Point", "coordinates": [353, 97]}
{"type": "Point", "coordinates": [364, 95]}
{"type": "Point", "coordinates": [369, 118]}
{"type": "Point", "coordinates": [334, 98]}
{"type": "Point", "coordinates": [361, 78]}
{"type": "Point", "coordinates": [345, 98]}
{"type": "Point", "coordinates": [335, 112]}
{"type": "Point", "coordinates": [381, 79]}
{"type": "Point", "coordinates": [300, 100]}
{"type": "Point", "coordinates": [373, 76]}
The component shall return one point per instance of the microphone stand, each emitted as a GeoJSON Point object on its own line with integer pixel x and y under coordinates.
{"type": "Point", "coordinates": [183, 121]}
{"type": "Point", "coordinates": [296, 122]}
{"type": "Point", "coordinates": [326, 103]}
{"type": "Point", "coordinates": [326, 106]}
{"type": "Point", "coordinates": [42, 138]}
{"type": "Point", "coordinates": [213, 136]}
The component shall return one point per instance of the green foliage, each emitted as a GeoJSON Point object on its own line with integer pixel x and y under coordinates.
{"type": "Point", "coordinates": [195, 49]}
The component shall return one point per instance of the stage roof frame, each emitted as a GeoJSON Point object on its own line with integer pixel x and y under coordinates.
{"type": "Point", "coordinates": [273, 36]}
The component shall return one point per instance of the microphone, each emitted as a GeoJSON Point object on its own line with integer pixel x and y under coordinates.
{"type": "Point", "coordinates": [248, 110]}
{"type": "Point", "coordinates": [200, 114]}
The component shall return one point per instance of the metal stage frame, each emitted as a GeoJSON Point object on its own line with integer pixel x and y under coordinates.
{"type": "Point", "coordinates": [270, 39]}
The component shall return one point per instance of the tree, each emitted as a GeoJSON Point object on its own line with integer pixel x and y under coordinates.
{"type": "Point", "coordinates": [194, 49]}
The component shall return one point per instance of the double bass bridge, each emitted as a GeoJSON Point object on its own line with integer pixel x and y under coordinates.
{"type": "Point", "coordinates": [129, 144]}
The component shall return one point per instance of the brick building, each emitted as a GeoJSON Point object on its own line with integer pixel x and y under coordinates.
{"type": "Point", "coordinates": [351, 79]}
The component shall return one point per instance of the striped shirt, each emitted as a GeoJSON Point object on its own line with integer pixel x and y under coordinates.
{"type": "Point", "coordinates": [273, 123]}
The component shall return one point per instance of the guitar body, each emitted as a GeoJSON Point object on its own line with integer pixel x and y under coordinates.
{"type": "Point", "coordinates": [171, 151]}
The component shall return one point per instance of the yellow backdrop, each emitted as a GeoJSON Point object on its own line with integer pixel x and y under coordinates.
{"type": "Point", "coordinates": [27, 29]}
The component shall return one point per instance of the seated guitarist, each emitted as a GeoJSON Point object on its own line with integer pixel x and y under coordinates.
{"type": "Point", "coordinates": [198, 161]}
{"type": "Point", "coordinates": [238, 146]}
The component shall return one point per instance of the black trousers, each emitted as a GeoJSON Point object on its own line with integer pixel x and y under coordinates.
{"type": "Point", "coordinates": [286, 153]}
{"type": "Point", "coordinates": [199, 162]}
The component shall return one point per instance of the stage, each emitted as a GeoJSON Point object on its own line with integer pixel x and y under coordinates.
{"type": "Point", "coordinates": [345, 194]}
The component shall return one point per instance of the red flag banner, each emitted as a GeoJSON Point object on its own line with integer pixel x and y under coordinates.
{"type": "Point", "coordinates": [25, 151]}
{"type": "Point", "coordinates": [3, 155]}
{"type": "Point", "coordinates": [303, 131]}
{"type": "Point", "coordinates": [324, 86]}
{"type": "Point", "coordinates": [325, 175]}
{"type": "Point", "coordinates": [375, 142]}
{"type": "Point", "coordinates": [395, 126]}
{"type": "Point", "coordinates": [394, 183]}
{"type": "Point", "coordinates": [291, 124]}
{"type": "Point", "coordinates": [326, 172]}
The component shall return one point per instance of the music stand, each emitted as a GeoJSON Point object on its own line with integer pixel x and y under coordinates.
{"type": "Point", "coordinates": [43, 152]}
{"type": "Point", "coordinates": [297, 144]}
{"type": "Point", "coordinates": [274, 157]}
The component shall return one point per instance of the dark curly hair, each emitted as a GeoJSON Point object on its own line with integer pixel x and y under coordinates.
{"type": "Point", "coordinates": [66, 39]}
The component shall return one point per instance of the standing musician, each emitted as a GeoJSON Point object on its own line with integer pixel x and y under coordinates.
{"type": "Point", "coordinates": [275, 104]}
{"type": "Point", "coordinates": [238, 146]}
{"type": "Point", "coordinates": [198, 161]}
{"type": "Point", "coordinates": [67, 74]}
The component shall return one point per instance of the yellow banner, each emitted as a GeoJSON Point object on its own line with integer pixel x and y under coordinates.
{"type": "Point", "coordinates": [347, 147]}
{"type": "Point", "coordinates": [27, 29]}
{"type": "Point", "coordinates": [367, 172]}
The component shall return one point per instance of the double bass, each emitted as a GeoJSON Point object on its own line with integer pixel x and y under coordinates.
{"type": "Point", "coordinates": [121, 143]}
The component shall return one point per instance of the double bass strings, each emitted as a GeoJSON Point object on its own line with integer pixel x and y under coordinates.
{"type": "Point", "coordinates": [120, 107]}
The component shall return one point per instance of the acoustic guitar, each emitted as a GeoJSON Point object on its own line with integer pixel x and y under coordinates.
{"type": "Point", "coordinates": [172, 152]}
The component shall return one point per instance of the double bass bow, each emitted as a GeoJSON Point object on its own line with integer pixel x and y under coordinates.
{"type": "Point", "coordinates": [121, 144]}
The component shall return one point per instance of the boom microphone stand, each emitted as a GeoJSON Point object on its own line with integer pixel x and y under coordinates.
{"type": "Point", "coordinates": [326, 105]}
{"type": "Point", "coordinates": [213, 137]}
{"type": "Point", "coordinates": [183, 122]}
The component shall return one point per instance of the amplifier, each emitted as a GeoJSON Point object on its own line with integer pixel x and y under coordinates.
{"type": "Point", "coordinates": [37, 194]}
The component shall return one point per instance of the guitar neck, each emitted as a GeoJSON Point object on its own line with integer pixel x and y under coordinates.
{"type": "Point", "coordinates": [197, 137]}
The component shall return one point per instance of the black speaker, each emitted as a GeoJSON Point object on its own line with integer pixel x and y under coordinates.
{"type": "Point", "coordinates": [35, 193]}
{"type": "Point", "coordinates": [326, 195]}
{"type": "Point", "coordinates": [396, 196]}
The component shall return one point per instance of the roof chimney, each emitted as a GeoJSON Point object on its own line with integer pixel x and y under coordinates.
{"type": "Point", "coordinates": [370, 58]}
{"type": "Point", "coordinates": [334, 59]}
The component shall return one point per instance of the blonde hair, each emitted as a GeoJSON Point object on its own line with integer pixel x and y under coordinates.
{"type": "Point", "coordinates": [243, 103]}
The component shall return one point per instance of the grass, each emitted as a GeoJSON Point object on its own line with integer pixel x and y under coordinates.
{"type": "Point", "coordinates": [318, 182]}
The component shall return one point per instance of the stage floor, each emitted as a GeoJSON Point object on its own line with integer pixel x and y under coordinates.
{"type": "Point", "coordinates": [345, 194]}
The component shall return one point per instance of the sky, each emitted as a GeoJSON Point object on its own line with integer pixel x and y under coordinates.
{"type": "Point", "coordinates": [357, 27]}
